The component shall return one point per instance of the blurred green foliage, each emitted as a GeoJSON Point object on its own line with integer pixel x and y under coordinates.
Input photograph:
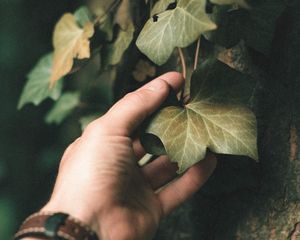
{"type": "Point", "coordinates": [29, 149]}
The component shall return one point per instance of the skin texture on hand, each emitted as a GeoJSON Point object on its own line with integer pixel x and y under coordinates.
{"type": "Point", "coordinates": [100, 183]}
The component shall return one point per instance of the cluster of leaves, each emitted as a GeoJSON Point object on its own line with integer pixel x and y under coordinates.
{"type": "Point", "coordinates": [72, 39]}
{"type": "Point", "coordinates": [216, 115]}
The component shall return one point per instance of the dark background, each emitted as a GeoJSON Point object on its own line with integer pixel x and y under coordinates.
{"type": "Point", "coordinates": [29, 149]}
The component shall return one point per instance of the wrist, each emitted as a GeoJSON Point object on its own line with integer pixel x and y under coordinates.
{"type": "Point", "coordinates": [103, 222]}
{"type": "Point", "coordinates": [84, 215]}
{"type": "Point", "coordinates": [54, 225]}
{"type": "Point", "coordinates": [107, 228]}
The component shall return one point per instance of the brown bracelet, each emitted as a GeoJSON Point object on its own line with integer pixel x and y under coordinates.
{"type": "Point", "coordinates": [56, 226]}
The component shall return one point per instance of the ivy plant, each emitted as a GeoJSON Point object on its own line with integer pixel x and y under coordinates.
{"type": "Point", "coordinates": [212, 112]}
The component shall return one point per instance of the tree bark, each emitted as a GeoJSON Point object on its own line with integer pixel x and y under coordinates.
{"type": "Point", "coordinates": [244, 200]}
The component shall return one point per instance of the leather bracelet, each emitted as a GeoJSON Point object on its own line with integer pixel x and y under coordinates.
{"type": "Point", "coordinates": [55, 226]}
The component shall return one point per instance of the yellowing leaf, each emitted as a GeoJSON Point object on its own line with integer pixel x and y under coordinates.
{"type": "Point", "coordinates": [143, 69]}
{"type": "Point", "coordinates": [114, 52]}
{"type": "Point", "coordinates": [70, 42]}
{"type": "Point", "coordinates": [178, 27]}
{"type": "Point", "coordinates": [100, 7]}
{"type": "Point", "coordinates": [214, 119]}
{"type": "Point", "coordinates": [123, 16]}
{"type": "Point", "coordinates": [117, 49]}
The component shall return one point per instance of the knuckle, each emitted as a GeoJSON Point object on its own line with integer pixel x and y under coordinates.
{"type": "Point", "coordinates": [68, 152]}
{"type": "Point", "coordinates": [135, 98]}
{"type": "Point", "coordinates": [92, 126]}
{"type": "Point", "coordinates": [96, 126]}
{"type": "Point", "coordinates": [164, 86]}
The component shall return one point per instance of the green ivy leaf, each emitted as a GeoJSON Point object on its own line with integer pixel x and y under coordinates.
{"type": "Point", "coordinates": [161, 6]}
{"type": "Point", "coordinates": [106, 27]}
{"type": "Point", "coordinates": [83, 15]}
{"type": "Point", "coordinates": [256, 25]}
{"type": "Point", "coordinates": [259, 26]}
{"type": "Point", "coordinates": [177, 27]}
{"type": "Point", "coordinates": [113, 53]}
{"type": "Point", "coordinates": [116, 50]}
{"type": "Point", "coordinates": [63, 107]}
{"type": "Point", "coordinates": [37, 87]}
{"type": "Point", "coordinates": [216, 118]}
{"type": "Point", "coordinates": [104, 17]}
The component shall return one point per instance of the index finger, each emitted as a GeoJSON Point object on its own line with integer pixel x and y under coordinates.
{"type": "Point", "coordinates": [127, 114]}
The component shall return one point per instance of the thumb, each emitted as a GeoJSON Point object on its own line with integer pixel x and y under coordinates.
{"type": "Point", "coordinates": [127, 114]}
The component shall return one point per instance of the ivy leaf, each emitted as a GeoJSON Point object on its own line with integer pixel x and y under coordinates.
{"type": "Point", "coordinates": [259, 26]}
{"type": "Point", "coordinates": [161, 6]}
{"type": "Point", "coordinates": [37, 87]}
{"type": "Point", "coordinates": [83, 15]}
{"type": "Point", "coordinates": [255, 26]}
{"type": "Point", "coordinates": [178, 27]}
{"type": "Point", "coordinates": [241, 3]}
{"type": "Point", "coordinates": [63, 107]}
{"type": "Point", "coordinates": [216, 118]}
{"type": "Point", "coordinates": [115, 51]}
{"type": "Point", "coordinates": [103, 16]}
{"type": "Point", "coordinates": [100, 7]}
{"type": "Point", "coordinates": [70, 41]}
{"type": "Point", "coordinates": [143, 69]}
{"type": "Point", "coordinates": [123, 15]}
{"type": "Point", "coordinates": [107, 27]}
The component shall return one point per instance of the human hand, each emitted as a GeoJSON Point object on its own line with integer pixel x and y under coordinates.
{"type": "Point", "coordinates": [100, 182]}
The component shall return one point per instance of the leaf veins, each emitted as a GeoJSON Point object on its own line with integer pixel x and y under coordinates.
{"type": "Point", "coordinates": [70, 42]}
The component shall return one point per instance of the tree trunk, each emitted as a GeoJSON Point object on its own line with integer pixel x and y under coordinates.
{"type": "Point", "coordinates": [244, 200]}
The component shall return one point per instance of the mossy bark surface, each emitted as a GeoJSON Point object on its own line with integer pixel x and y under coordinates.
{"type": "Point", "coordinates": [244, 200]}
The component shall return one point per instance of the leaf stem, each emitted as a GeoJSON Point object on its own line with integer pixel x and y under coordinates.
{"type": "Point", "coordinates": [184, 69]}
{"type": "Point", "coordinates": [110, 8]}
{"type": "Point", "coordinates": [183, 62]}
{"type": "Point", "coordinates": [197, 53]}
{"type": "Point", "coordinates": [150, 7]}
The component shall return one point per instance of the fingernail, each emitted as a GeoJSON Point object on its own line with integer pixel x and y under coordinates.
{"type": "Point", "coordinates": [155, 85]}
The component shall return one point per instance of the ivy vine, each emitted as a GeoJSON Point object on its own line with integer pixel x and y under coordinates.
{"type": "Point", "coordinates": [211, 113]}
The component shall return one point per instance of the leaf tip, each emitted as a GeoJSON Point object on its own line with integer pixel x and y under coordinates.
{"type": "Point", "coordinates": [20, 105]}
{"type": "Point", "coordinates": [256, 156]}
{"type": "Point", "coordinates": [53, 79]}
{"type": "Point", "coordinates": [89, 29]}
